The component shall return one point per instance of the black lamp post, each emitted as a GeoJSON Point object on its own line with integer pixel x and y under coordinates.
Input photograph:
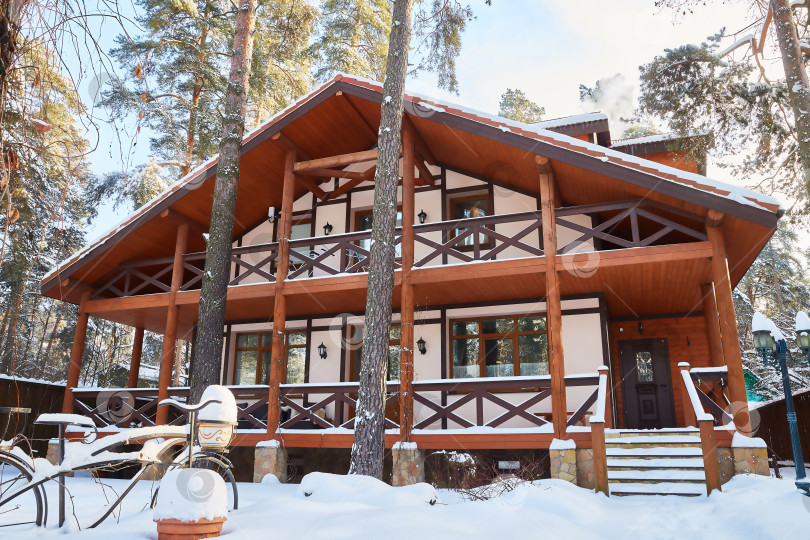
{"type": "Point", "coordinates": [772, 345]}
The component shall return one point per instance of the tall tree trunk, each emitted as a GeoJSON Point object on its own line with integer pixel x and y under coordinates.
{"type": "Point", "coordinates": [46, 360]}
{"type": "Point", "coordinates": [208, 349]}
{"type": "Point", "coordinates": [191, 130]}
{"type": "Point", "coordinates": [9, 353]}
{"type": "Point", "coordinates": [796, 78]}
{"type": "Point", "coordinates": [369, 431]}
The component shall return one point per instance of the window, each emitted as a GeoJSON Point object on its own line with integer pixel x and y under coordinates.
{"type": "Point", "coordinates": [499, 346]}
{"type": "Point", "coordinates": [300, 228]}
{"type": "Point", "coordinates": [470, 206]}
{"type": "Point", "coordinates": [393, 353]}
{"type": "Point", "coordinates": [644, 367]}
{"type": "Point", "coordinates": [253, 352]}
{"type": "Point", "coordinates": [363, 222]}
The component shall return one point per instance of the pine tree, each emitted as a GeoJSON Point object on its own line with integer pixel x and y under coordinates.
{"type": "Point", "coordinates": [178, 72]}
{"type": "Point", "coordinates": [208, 346]}
{"type": "Point", "coordinates": [516, 106]}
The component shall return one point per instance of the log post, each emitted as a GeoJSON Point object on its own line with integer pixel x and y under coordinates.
{"type": "Point", "coordinates": [728, 323]}
{"type": "Point", "coordinates": [600, 476]}
{"type": "Point", "coordinates": [277, 357]}
{"type": "Point", "coordinates": [135, 358]}
{"type": "Point", "coordinates": [708, 445]}
{"type": "Point", "coordinates": [559, 411]}
{"type": "Point", "coordinates": [407, 300]}
{"type": "Point", "coordinates": [170, 334]}
{"type": "Point", "coordinates": [712, 325]}
{"type": "Point", "coordinates": [689, 415]}
{"type": "Point", "coordinates": [75, 367]}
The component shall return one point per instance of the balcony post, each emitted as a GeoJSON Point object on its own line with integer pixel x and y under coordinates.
{"type": "Point", "coordinates": [278, 355]}
{"type": "Point", "coordinates": [170, 334]}
{"type": "Point", "coordinates": [75, 367]}
{"type": "Point", "coordinates": [559, 411]}
{"type": "Point", "coordinates": [712, 325]}
{"type": "Point", "coordinates": [407, 300]}
{"type": "Point", "coordinates": [135, 358]}
{"type": "Point", "coordinates": [728, 323]}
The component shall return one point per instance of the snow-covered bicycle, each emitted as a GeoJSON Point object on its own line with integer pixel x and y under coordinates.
{"type": "Point", "coordinates": [203, 442]}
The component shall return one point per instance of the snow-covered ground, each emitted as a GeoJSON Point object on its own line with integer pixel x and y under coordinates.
{"type": "Point", "coordinates": [359, 507]}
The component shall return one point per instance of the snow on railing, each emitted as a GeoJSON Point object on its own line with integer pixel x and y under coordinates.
{"type": "Point", "coordinates": [700, 413]}
{"type": "Point", "coordinates": [601, 396]}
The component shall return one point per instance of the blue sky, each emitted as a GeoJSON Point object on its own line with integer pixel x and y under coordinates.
{"type": "Point", "coordinates": [546, 48]}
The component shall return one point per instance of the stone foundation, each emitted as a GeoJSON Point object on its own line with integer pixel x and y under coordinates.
{"type": "Point", "coordinates": [751, 460]}
{"type": "Point", "coordinates": [725, 461]}
{"type": "Point", "coordinates": [270, 458]}
{"type": "Point", "coordinates": [563, 458]}
{"type": "Point", "coordinates": [409, 464]}
{"type": "Point", "coordinates": [585, 476]}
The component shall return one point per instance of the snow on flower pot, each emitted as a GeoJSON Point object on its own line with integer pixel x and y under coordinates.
{"type": "Point", "coordinates": [191, 504]}
{"type": "Point", "coordinates": [216, 422]}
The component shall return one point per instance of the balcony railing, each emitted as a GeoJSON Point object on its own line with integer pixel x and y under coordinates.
{"type": "Point", "coordinates": [458, 402]}
{"type": "Point", "coordinates": [624, 224]}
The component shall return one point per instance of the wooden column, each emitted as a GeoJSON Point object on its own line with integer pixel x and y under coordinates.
{"type": "Point", "coordinates": [708, 445]}
{"type": "Point", "coordinates": [277, 357]}
{"type": "Point", "coordinates": [712, 325]}
{"type": "Point", "coordinates": [407, 300]}
{"type": "Point", "coordinates": [559, 411]}
{"type": "Point", "coordinates": [75, 367]}
{"type": "Point", "coordinates": [170, 334]}
{"type": "Point", "coordinates": [728, 323]}
{"type": "Point", "coordinates": [135, 359]}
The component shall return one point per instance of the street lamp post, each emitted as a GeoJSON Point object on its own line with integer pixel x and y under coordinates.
{"type": "Point", "coordinates": [772, 345]}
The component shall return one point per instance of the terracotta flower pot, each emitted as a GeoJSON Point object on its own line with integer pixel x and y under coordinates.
{"type": "Point", "coordinates": [173, 529]}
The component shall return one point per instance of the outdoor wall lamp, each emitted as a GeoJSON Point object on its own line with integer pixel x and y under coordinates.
{"type": "Point", "coordinates": [772, 345]}
{"type": "Point", "coordinates": [641, 328]}
{"type": "Point", "coordinates": [322, 350]}
{"type": "Point", "coordinates": [327, 228]}
{"type": "Point", "coordinates": [422, 216]}
{"type": "Point", "coordinates": [421, 345]}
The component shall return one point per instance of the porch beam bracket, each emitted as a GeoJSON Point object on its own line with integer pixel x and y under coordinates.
{"type": "Point", "coordinates": [335, 161]}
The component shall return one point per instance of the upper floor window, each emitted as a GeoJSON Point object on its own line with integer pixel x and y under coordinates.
{"type": "Point", "coordinates": [499, 346]}
{"type": "Point", "coordinates": [364, 219]}
{"type": "Point", "coordinates": [253, 352]}
{"type": "Point", "coordinates": [470, 206]}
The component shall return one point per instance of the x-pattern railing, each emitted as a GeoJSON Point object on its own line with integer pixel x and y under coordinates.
{"type": "Point", "coordinates": [714, 381]}
{"type": "Point", "coordinates": [629, 211]}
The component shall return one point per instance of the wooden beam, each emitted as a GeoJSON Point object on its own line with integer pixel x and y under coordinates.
{"type": "Point", "coordinates": [406, 290]}
{"type": "Point", "coordinates": [180, 219]}
{"type": "Point", "coordinates": [311, 185]}
{"type": "Point", "coordinates": [338, 173]}
{"type": "Point", "coordinates": [74, 284]}
{"type": "Point", "coordinates": [76, 352]}
{"type": "Point", "coordinates": [728, 325]}
{"type": "Point", "coordinates": [365, 176]}
{"type": "Point", "coordinates": [170, 334]}
{"type": "Point", "coordinates": [559, 410]}
{"type": "Point", "coordinates": [278, 354]}
{"type": "Point", "coordinates": [336, 161]}
{"type": "Point", "coordinates": [135, 358]}
{"type": "Point", "coordinates": [425, 176]}
{"type": "Point", "coordinates": [285, 143]}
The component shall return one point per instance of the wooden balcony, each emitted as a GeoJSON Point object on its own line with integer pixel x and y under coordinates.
{"type": "Point", "coordinates": [328, 273]}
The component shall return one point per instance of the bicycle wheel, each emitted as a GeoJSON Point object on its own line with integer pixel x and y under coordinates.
{"type": "Point", "coordinates": [22, 504]}
{"type": "Point", "coordinates": [214, 462]}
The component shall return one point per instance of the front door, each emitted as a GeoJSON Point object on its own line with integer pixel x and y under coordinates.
{"type": "Point", "coordinates": [646, 384]}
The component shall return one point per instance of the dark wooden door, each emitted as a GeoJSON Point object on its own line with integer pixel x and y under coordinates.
{"type": "Point", "coordinates": [646, 384]}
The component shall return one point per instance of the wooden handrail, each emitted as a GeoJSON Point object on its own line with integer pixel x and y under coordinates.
{"type": "Point", "coordinates": [598, 443]}
{"type": "Point", "coordinates": [705, 421]}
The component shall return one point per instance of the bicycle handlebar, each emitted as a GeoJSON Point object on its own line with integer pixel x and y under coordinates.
{"type": "Point", "coordinates": [187, 408]}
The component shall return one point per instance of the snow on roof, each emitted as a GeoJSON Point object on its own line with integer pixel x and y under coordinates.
{"type": "Point", "coordinates": [570, 120]}
{"type": "Point", "coordinates": [660, 137]}
{"type": "Point", "coordinates": [533, 131]}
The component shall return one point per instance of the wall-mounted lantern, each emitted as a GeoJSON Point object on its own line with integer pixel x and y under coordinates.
{"type": "Point", "coordinates": [327, 228]}
{"type": "Point", "coordinates": [641, 328]}
{"type": "Point", "coordinates": [422, 216]}
{"type": "Point", "coordinates": [421, 345]}
{"type": "Point", "coordinates": [322, 350]}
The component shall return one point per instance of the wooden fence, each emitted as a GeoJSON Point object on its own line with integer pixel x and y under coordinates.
{"type": "Point", "coordinates": [773, 426]}
{"type": "Point", "coordinates": [40, 398]}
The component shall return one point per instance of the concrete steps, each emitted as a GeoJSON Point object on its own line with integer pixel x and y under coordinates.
{"type": "Point", "coordinates": [655, 462]}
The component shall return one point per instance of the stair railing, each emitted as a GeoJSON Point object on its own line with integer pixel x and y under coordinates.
{"type": "Point", "coordinates": [598, 445]}
{"type": "Point", "coordinates": [694, 411]}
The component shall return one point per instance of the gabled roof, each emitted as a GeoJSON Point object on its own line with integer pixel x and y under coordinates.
{"type": "Point", "coordinates": [349, 106]}
{"type": "Point", "coordinates": [652, 144]}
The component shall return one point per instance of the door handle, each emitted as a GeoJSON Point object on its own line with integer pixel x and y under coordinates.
{"type": "Point", "coordinates": [663, 386]}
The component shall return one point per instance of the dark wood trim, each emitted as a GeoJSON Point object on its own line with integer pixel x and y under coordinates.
{"type": "Point", "coordinates": [632, 318]}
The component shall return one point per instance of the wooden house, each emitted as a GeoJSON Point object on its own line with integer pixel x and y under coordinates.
{"type": "Point", "coordinates": [549, 285]}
